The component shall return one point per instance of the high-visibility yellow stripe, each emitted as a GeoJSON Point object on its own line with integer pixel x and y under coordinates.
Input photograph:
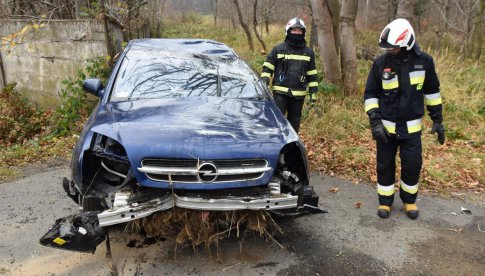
{"type": "Point", "coordinates": [371, 106]}
{"type": "Point", "coordinates": [294, 57]}
{"type": "Point", "coordinates": [267, 75]}
{"type": "Point", "coordinates": [313, 84]}
{"type": "Point", "coordinates": [417, 77]}
{"type": "Point", "coordinates": [385, 190]}
{"type": "Point", "coordinates": [269, 65]}
{"type": "Point", "coordinates": [286, 89]}
{"type": "Point", "coordinates": [390, 84]}
{"type": "Point", "coordinates": [414, 126]}
{"type": "Point", "coordinates": [280, 88]}
{"type": "Point", "coordinates": [298, 93]}
{"type": "Point", "coordinates": [412, 189]}
{"type": "Point", "coordinates": [311, 72]}
{"type": "Point", "coordinates": [390, 126]}
{"type": "Point", "coordinates": [371, 103]}
{"type": "Point", "coordinates": [433, 101]}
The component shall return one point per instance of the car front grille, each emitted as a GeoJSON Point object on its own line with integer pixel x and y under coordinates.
{"type": "Point", "coordinates": [207, 171]}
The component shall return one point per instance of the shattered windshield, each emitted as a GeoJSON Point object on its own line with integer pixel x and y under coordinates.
{"type": "Point", "coordinates": [151, 76]}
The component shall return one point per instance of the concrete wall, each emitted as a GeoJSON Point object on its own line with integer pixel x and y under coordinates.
{"type": "Point", "coordinates": [46, 57]}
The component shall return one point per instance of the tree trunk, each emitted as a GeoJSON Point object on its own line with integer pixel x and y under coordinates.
{"type": "Point", "coordinates": [477, 37]}
{"type": "Point", "coordinates": [214, 11]}
{"type": "Point", "coordinates": [405, 9]}
{"type": "Point", "coordinates": [109, 45]}
{"type": "Point", "coordinates": [244, 25]}
{"type": "Point", "coordinates": [313, 35]}
{"type": "Point", "coordinates": [334, 9]}
{"type": "Point", "coordinates": [76, 8]}
{"type": "Point", "coordinates": [255, 26]}
{"type": "Point", "coordinates": [348, 58]}
{"type": "Point", "coordinates": [328, 53]}
{"type": "Point", "coordinates": [2, 73]}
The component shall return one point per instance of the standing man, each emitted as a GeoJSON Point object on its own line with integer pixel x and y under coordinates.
{"type": "Point", "coordinates": [400, 83]}
{"type": "Point", "coordinates": [292, 66]}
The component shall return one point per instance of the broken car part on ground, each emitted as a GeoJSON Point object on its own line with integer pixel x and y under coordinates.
{"type": "Point", "coordinates": [180, 123]}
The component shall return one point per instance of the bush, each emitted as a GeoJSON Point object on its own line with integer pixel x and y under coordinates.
{"type": "Point", "coordinates": [76, 105]}
{"type": "Point", "coordinates": [20, 120]}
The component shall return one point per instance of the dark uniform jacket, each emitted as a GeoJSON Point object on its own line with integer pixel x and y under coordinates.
{"type": "Point", "coordinates": [399, 86]}
{"type": "Point", "coordinates": [293, 69]}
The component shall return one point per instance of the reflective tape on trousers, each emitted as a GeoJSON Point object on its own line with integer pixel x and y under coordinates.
{"type": "Point", "coordinates": [412, 189]}
{"type": "Point", "coordinates": [385, 190]}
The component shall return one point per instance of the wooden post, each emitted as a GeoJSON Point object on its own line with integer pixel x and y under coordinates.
{"type": "Point", "coordinates": [2, 73]}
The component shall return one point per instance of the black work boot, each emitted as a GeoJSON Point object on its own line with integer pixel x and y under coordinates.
{"type": "Point", "coordinates": [411, 210]}
{"type": "Point", "coordinates": [384, 211]}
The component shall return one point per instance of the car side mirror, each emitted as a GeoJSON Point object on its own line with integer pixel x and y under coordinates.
{"type": "Point", "coordinates": [93, 86]}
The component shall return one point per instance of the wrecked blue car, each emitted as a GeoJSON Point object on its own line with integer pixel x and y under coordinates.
{"type": "Point", "coordinates": [185, 123]}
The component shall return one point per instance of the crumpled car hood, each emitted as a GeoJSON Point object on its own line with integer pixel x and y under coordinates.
{"type": "Point", "coordinates": [198, 126]}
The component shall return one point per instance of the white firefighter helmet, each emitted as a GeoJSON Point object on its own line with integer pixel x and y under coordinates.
{"type": "Point", "coordinates": [295, 23]}
{"type": "Point", "coordinates": [399, 33]}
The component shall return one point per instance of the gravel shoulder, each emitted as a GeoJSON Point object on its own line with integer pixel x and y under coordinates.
{"type": "Point", "coordinates": [346, 241]}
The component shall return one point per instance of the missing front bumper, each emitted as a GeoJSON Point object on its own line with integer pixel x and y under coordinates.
{"type": "Point", "coordinates": [133, 211]}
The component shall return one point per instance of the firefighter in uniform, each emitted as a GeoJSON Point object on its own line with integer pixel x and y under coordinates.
{"type": "Point", "coordinates": [401, 82]}
{"type": "Point", "coordinates": [292, 66]}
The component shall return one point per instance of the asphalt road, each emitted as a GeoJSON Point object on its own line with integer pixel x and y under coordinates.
{"type": "Point", "coordinates": [346, 241]}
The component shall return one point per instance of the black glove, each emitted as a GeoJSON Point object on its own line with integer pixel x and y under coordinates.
{"type": "Point", "coordinates": [440, 129]}
{"type": "Point", "coordinates": [379, 132]}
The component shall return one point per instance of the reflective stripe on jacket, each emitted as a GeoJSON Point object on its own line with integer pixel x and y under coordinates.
{"type": "Point", "coordinates": [293, 70]}
{"type": "Point", "coordinates": [398, 87]}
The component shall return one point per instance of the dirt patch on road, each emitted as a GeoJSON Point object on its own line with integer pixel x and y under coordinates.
{"type": "Point", "coordinates": [453, 251]}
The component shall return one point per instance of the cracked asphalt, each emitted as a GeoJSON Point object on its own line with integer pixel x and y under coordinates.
{"type": "Point", "coordinates": [346, 241]}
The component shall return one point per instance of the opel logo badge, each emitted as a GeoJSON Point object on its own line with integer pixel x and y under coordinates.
{"type": "Point", "coordinates": [207, 172]}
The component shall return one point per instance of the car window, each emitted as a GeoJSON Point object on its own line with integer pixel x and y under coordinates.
{"type": "Point", "coordinates": [166, 76]}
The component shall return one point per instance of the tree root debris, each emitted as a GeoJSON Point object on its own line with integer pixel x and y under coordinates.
{"type": "Point", "coordinates": [207, 228]}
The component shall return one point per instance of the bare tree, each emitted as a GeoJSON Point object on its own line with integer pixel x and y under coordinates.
{"type": "Point", "coordinates": [405, 9]}
{"type": "Point", "coordinates": [348, 57]}
{"type": "Point", "coordinates": [334, 9]}
{"type": "Point", "coordinates": [477, 33]}
{"type": "Point", "coordinates": [244, 25]}
{"type": "Point", "coordinates": [214, 11]}
{"type": "Point", "coordinates": [328, 53]}
{"type": "Point", "coordinates": [255, 26]}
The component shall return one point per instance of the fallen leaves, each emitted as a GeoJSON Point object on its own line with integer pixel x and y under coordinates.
{"type": "Point", "coordinates": [334, 190]}
{"type": "Point", "coordinates": [358, 205]}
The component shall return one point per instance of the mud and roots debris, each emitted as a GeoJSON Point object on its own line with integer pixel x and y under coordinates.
{"type": "Point", "coordinates": [205, 228]}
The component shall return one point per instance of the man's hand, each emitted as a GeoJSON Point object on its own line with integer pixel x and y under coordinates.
{"type": "Point", "coordinates": [379, 132]}
{"type": "Point", "coordinates": [440, 129]}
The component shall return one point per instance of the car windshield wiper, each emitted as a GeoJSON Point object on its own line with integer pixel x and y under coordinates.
{"type": "Point", "coordinates": [219, 88]}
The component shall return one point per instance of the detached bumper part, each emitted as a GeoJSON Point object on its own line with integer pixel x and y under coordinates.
{"type": "Point", "coordinates": [79, 232]}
